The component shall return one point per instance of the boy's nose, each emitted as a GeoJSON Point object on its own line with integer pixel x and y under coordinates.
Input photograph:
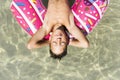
{"type": "Point", "coordinates": [59, 41]}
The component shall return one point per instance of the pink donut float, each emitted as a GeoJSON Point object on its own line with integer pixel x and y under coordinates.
{"type": "Point", "coordinates": [88, 13]}
{"type": "Point", "coordinates": [30, 14]}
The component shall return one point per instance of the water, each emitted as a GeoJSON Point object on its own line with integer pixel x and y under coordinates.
{"type": "Point", "coordinates": [99, 62]}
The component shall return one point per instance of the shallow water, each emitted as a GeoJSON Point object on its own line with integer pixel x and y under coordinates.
{"type": "Point", "coordinates": [99, 62]}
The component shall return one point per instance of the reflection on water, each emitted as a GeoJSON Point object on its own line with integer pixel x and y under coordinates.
{"type": "Point", "coordinates": [99, 62]}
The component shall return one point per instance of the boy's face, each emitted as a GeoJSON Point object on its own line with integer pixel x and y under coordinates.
{"type": "Point", "coordinates": [58, 41]}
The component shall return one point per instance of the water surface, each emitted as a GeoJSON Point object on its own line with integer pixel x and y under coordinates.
{"type": "Point", "coordinates": [99, 62]}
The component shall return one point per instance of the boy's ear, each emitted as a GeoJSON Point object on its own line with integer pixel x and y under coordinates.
{"type": "Point", "coordinates": [49, 39]}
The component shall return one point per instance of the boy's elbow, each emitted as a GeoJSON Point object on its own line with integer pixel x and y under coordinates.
{"type": "Point", "coordinates": [30, 45]}
{"type": "Point", "coordinates": [84, 45]}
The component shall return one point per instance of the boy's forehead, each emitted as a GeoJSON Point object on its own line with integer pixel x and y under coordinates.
{"type": "Point", "coordinates": [57, 50]}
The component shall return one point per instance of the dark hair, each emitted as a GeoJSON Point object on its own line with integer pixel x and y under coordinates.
{"type": "Point", "coordinates": [61, 55]}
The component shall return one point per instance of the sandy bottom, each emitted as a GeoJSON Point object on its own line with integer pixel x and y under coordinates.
{"type": "Point", "coordinates": [99, 62]}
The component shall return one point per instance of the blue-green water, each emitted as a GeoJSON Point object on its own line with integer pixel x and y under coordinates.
{"type": "Point", "coordinates": [99, 62]}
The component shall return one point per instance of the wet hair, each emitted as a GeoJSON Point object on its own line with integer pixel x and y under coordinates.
{"type": "Point", "coordinates": [58, 56]}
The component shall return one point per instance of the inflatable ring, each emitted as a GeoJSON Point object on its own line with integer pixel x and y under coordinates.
{"type": "Point", "coordinates": [30, 14]}
{"type": "Point", "coordinates": [88, 13]}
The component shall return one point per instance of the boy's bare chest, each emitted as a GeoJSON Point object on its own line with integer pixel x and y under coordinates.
{"type": "Point", "coordinates": [59, 13]}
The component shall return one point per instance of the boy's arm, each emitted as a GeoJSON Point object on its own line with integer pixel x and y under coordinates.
{"type": "Point", "coordinates": [37, 41]}
{"type": "Point", "coordinates": [37, 38]}
{"type": "Point", "coordinates": [77, 43]}
{"type": "Point", "coordinates": [80, 40]}
{"type": "Point", "coordinates": [38, 44]}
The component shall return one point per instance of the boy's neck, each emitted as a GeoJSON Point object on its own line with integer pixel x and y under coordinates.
{"type": "Point", "coordinates": [56, 0]}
